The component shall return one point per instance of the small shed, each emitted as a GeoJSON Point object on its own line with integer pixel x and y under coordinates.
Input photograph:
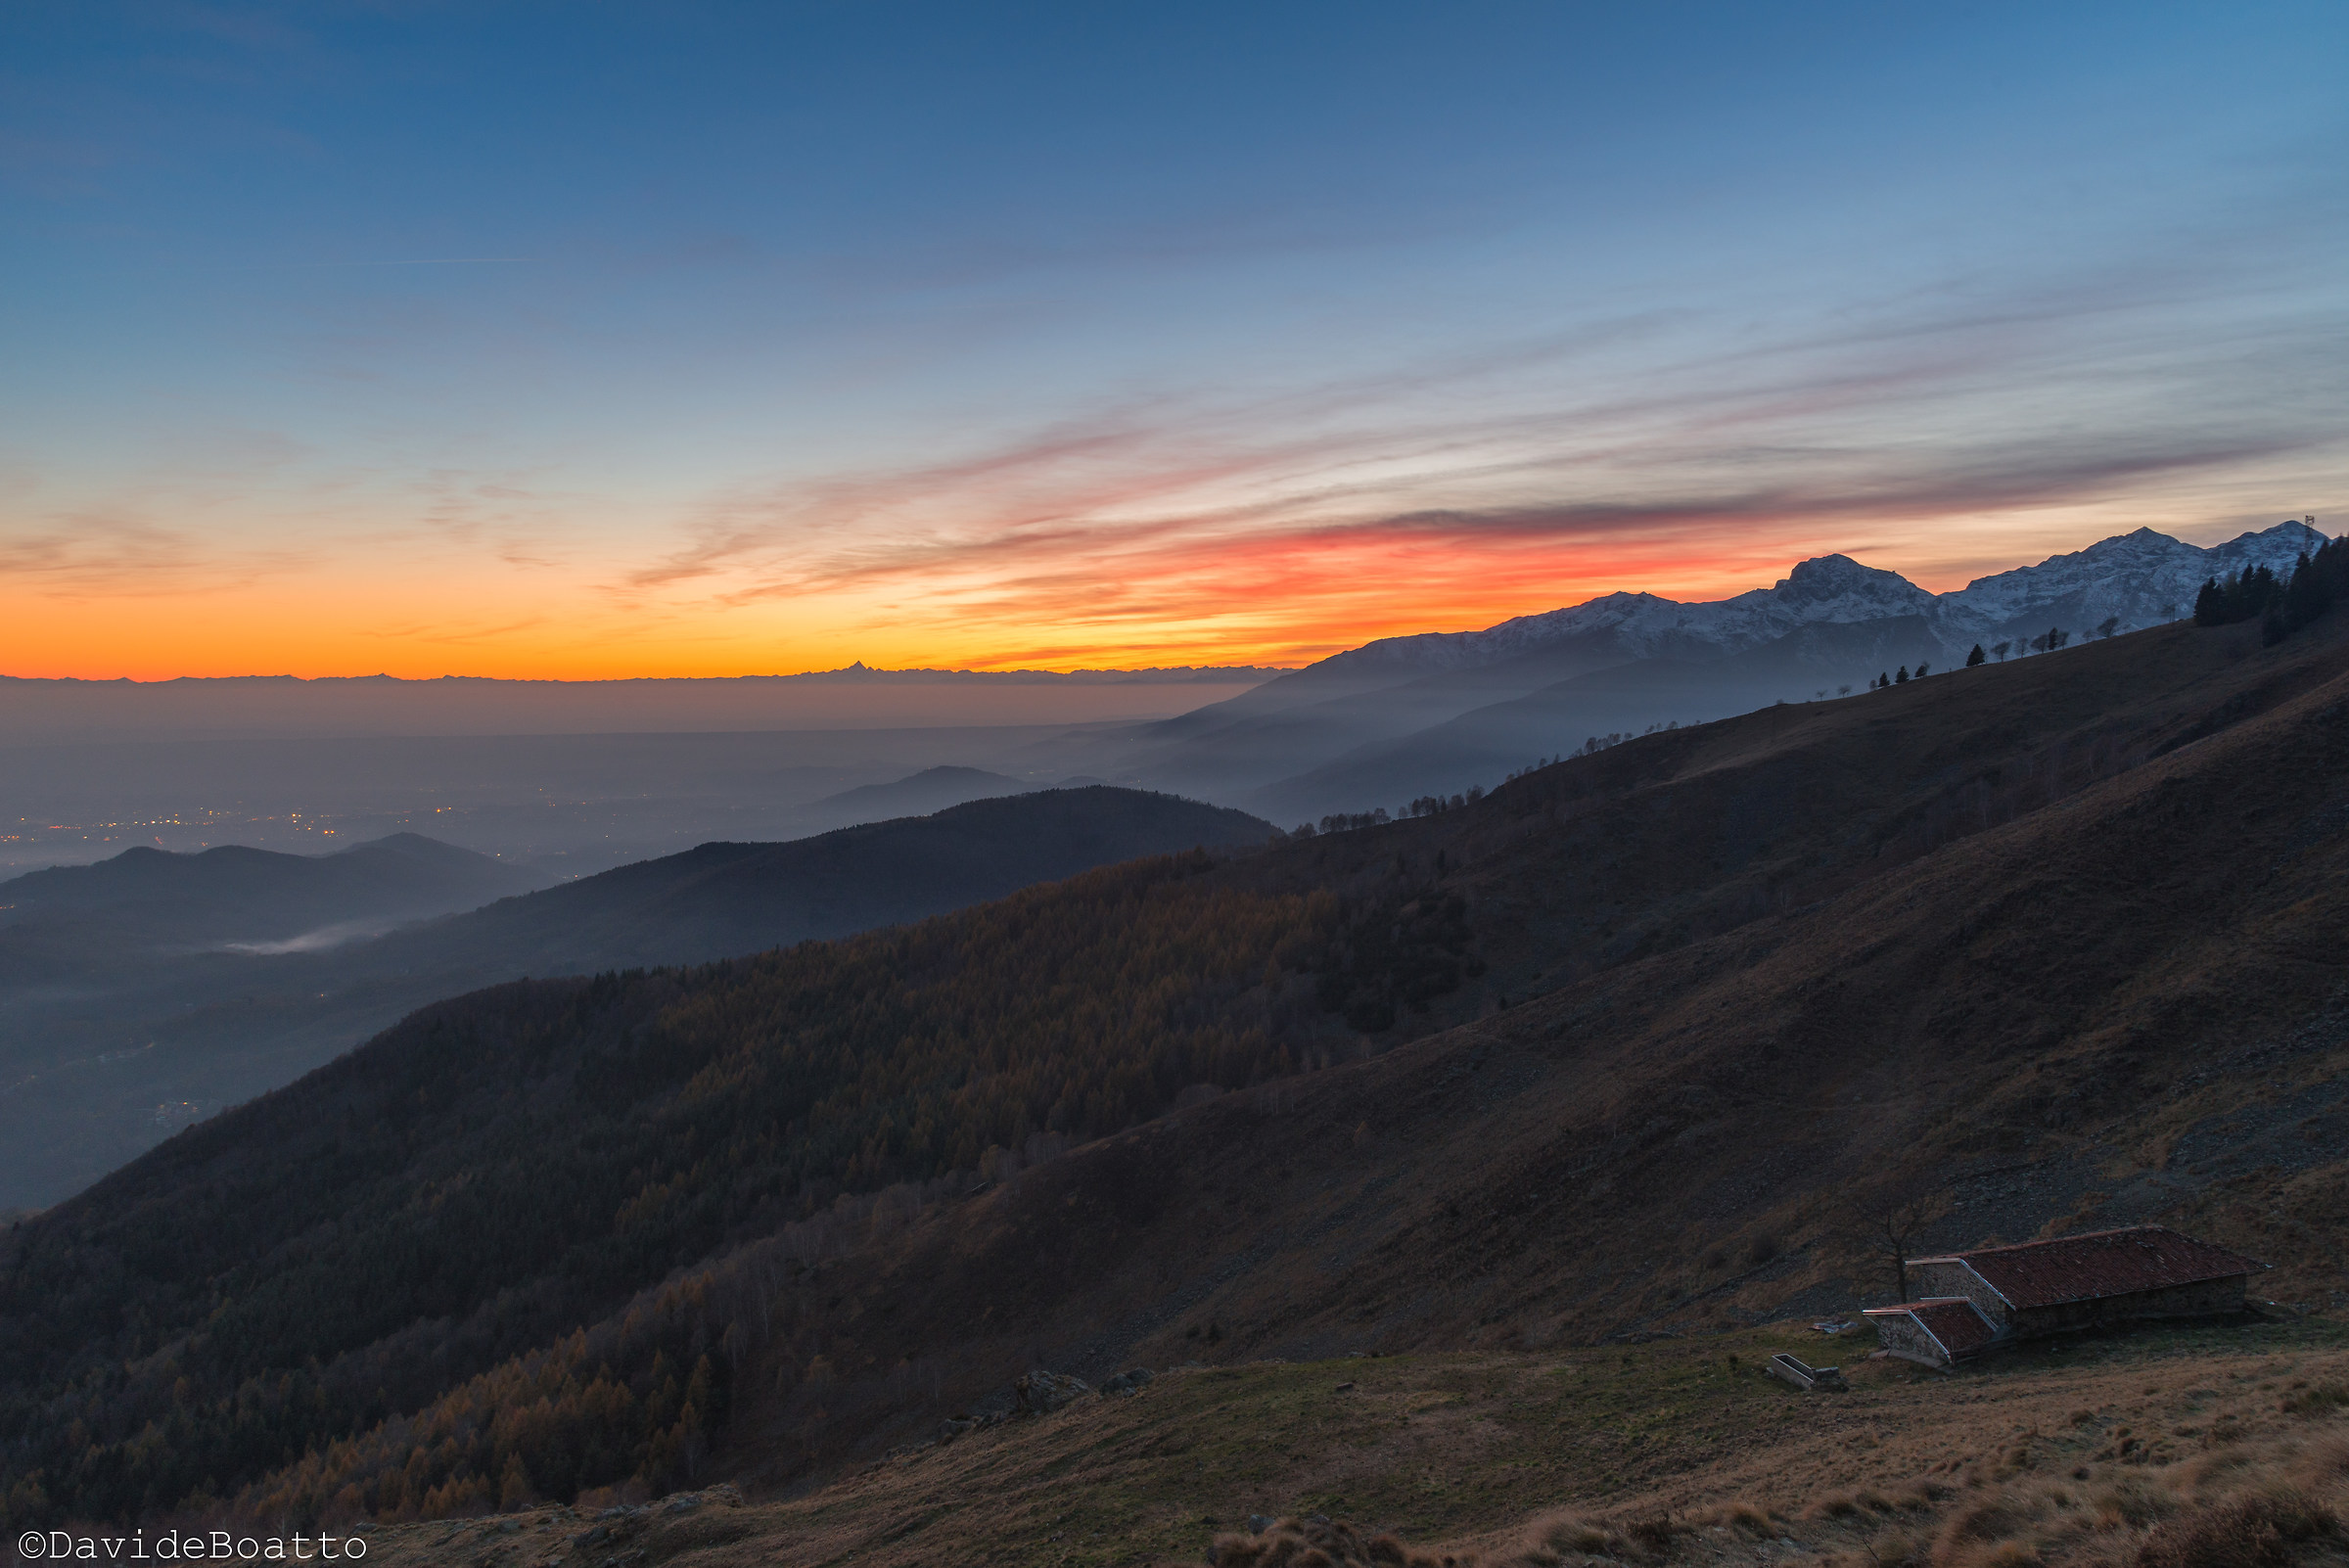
{"type": "Point", "coordinates": [1937, 1334]}
{"type": "Point", "coordinates": [2047, 1288]}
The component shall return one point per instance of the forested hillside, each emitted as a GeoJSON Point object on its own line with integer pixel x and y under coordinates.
{"type": "Point", "coordinates": [503, 1167]}
{"type": "Point", "coordinates": [1615, 1047]}
{"type": "Point", "coordinates": [99, 1022]}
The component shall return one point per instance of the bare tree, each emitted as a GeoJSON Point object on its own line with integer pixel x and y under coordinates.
{"type": "Point", "coordinates": [1887, 1224]}
{"type": "Point", "coordinates": [1895, 1227]}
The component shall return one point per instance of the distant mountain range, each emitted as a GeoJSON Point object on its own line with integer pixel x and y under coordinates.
{"type": "Point", "coordinates": [149, 990]}
{"type": "Point", "coordinates": [54, 710]}
{"type": "Point", "coordinates": [1441, 711]}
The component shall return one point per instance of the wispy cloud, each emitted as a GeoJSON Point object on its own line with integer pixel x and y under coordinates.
{"type": "Point", "coordinates": [1558, 462]}
{"type": "Point", "coordinates": [94, 552]}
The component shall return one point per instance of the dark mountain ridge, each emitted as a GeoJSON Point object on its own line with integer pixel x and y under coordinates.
{"type": "Point", "coordinates": [1624, 1047]}
{"type": "Point", "coordinates": [104, 1022]}
{"type": "Point", "coordinates": [724, 900]}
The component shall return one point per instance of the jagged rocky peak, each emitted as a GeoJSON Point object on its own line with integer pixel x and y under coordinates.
{"type": "Point", "coordinates": [1839, 576]}
{"type": "Point", "coordinates": [2137, 542]}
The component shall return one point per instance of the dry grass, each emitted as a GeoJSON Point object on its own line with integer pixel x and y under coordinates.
{"type": "Point", "coordinates": [2262, 1490]}
{"type": "Point", "coordinates": [1553, 1460]}
{"type": "Point", "coordinates": [2317, 1400]}
{"type": "Point", "coordinates": [1319, 1543]}
{"type": "Point", "coordinates": [2282, 1504]}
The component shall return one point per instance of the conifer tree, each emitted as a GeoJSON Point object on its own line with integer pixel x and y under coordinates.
{"type": "Point", "coordinates": [514, 1486]}
{"type": "Point", "coordinates": [2210, 604]}
{"type": "Point", "coordinates": [1977, 656]}
{"type": "Point", "coordinates": [2316, 583]}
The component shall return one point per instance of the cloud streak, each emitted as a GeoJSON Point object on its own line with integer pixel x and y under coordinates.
{"type": "Point", "coordinates": [1519, 475]}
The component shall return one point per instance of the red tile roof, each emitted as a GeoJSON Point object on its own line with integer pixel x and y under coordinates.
{"type": "Point", "coordinates": [1954, 1321]}
{"type": "Point", "coordinates": [2102, 1263]}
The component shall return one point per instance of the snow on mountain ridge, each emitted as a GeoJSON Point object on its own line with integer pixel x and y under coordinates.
{"type": "Point", "coordinates": [2285, 542]}
{"type": "Point", "coordinates": [2142, 577]}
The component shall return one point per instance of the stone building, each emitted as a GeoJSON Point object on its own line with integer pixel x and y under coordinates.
{"type": "Point", "coordinates": [1969, 1300]}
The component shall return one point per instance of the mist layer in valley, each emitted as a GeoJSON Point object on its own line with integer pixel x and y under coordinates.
{"type": "Point", "coordinates": [157, 1001]}
{"type": "Point", "coordinates": [570, 778]}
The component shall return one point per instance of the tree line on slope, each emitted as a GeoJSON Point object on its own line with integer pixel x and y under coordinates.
{"type": "Point", "coordinates": [2280, 605]}
{"type": "Point", "coordinates": [319, 1273]}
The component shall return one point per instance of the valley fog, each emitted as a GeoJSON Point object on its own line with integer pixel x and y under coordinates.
{"type": "Point", "coordinates": [562, 806]}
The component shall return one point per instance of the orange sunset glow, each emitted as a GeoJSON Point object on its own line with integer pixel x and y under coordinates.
{"type": "Point", "coordinates": [1029, 598]}
{"type": "Point", "coordinates": [984, 392]}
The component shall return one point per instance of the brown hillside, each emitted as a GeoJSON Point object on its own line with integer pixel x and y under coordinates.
{"type": "Point", "coordinates": [2117, 1005]}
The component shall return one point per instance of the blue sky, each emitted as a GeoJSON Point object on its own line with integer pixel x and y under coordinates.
{"type": "Point", "coordinates": [503, 339]}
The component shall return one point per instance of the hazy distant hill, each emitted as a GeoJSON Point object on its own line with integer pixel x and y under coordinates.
{"type": "Point", "coordinates": [933, 789]}
{"type": "Point", "coordinates": [121, 1022]}
{"type": "Point", "coordinates": [233, 893]}
{"type": "Point", "coordinates": [1635, 1046]}
{"type": "Point", "coordinates": [725, 899]}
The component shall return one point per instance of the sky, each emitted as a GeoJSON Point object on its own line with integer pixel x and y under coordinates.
{"type": "Point", "coordinates": [584, 340]}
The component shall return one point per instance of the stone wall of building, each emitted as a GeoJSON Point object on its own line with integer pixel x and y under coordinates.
{"type": "Point", "coordinates": [1927, 1280]}
{"type": "Point", "coordinates": [1904, 1338]}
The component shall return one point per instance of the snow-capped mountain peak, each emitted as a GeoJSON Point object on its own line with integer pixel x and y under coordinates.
{"type": "Point", "coordinates": [2135, 580]}
{"type": "Point", "coordinates": [2141, 579]}
{"type": "Point", "coordinates": [1836, 587]}
{"type": "Point", "coordinates": [2283, 543]}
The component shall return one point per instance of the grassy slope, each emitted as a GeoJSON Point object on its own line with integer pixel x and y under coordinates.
{"type": "Point", "coordinates": [1465, 1449]}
